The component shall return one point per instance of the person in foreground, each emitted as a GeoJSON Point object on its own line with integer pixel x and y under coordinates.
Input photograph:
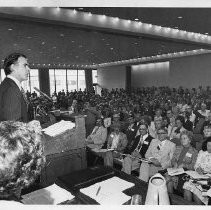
{"type": "Point", "coordinates": [13, 101]}
{"type": "Point", "coordinates": [184, 157]}
{"type": "Point", "coordinates": [21, 158]}
{"type": "Point", "coordinates": [159, 153]}
{"type": "Point", "coordinates": [202, 166]}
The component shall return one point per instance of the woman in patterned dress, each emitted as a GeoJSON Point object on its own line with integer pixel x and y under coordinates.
{"type": "Point", "coordinates": [202, 166]}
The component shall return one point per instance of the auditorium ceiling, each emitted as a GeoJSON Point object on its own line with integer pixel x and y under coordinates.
{"type": "Point", "coordinates": [75, 38]}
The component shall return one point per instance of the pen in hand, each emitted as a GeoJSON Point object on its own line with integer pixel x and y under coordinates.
{"type": "Point", "coordinates": [98, 190]}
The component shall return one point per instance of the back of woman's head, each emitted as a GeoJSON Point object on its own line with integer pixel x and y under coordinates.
{"type": "Point", "coordinates": [21, 155]}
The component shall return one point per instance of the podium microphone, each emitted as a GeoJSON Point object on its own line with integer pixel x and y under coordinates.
{"type": "Point", "coordinates": [45, 95]}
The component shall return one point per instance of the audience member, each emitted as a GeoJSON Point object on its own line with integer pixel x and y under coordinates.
{"type": "Point", "coordinates": [137, 150]}
{"type": "Point", "coordinates": [159, 153]}
{"type": "Point", "coordinates": [203, 165]}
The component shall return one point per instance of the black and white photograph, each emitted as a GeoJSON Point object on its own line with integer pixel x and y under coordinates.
{"type": "Point", "coordinates": [105, 103]}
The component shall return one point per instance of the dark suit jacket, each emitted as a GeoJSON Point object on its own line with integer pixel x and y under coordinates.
{"type": "Point", "coordinates": [12, 103]}
{"type": "Point", "coordinates": [131, 133]}
{"type": "Point", "coordinates": [144, 146]}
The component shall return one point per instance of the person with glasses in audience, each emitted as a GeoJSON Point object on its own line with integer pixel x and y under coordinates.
{"type": "Point", "coordinates": [159, 154]}
{"type": "Point", "coordinates": [137, 150]}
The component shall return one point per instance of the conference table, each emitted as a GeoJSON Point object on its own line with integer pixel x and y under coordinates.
{"type": "Point", "coordinates": [79, 179]}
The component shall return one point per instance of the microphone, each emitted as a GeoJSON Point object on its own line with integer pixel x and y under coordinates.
{"type": "Point", "coordinates": [43, 94]}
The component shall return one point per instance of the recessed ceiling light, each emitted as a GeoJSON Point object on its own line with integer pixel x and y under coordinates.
{"type": "Point", "coordinates": [180, 17]}
{"type": "Point", "coordinates": [136, 19]}
{"type": "Point", "coordinates": [176, 27]}
{"type": "Point", "coordinates": [111, 48]}
{"type": "Point", "coordinates": [206, 33]}
{"type": "Point", "coordinates": [10, 29]}
{"type": "Point", "coordinates": [43, 43]}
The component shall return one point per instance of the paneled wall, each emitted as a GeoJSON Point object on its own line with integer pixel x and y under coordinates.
{"type": "Point", "coordinates": [112, 77]}
{"type": "Point", "coordinates": [188, 72]}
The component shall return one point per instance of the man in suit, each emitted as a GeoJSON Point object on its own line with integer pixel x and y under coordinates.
{"type": "Point", "coordinates": [137, 149]}
{"type": "Point", "coordinates": [131, 129]}
{"type": "Point", "coordinates": [13, 102]}
{"type": "Point", "coordinates": [160, 153]}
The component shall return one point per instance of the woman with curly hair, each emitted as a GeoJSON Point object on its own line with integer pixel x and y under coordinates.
{"type": "Point", "coordinates": [21, 157]}
{"type": "Point", "coordinates": [184, 157]}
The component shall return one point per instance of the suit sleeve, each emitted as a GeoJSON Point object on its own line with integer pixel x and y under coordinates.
{"type": "Point", "coordinates": [124, 143]}
{"type": "Point", "coordinates": [11, 105]}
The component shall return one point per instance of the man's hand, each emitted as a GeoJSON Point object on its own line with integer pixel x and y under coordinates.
{"type": "Point", "coordinates": [200, 170]}
{"type": "Point", "coordinates": [136, 154]}
{"type": "Point", "coordinates": [155, 162]}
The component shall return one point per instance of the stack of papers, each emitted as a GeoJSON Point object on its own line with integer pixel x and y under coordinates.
{"type": "Point", "coordinates": [109, 191]}
{"type": "Point", "coordinates": [175, 171]}
{"type": "Point", "coordinates": [196, 175]}
{"type": "Point", "coordinates": [49, 195]}
{"type": "Point", "coordinates": [58, 128]}
{"type": "Point", "coordinates": [101, 150]}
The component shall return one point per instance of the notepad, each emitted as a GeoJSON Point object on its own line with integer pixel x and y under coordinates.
{"type": "Point", "coordinates": [175, 171]}
{"type": "Point", "coordinates": [196, 175]}
{"type": "Point", "coordinates": [101, 150]}
{"type": "Point", "coordinates": [59, 128]}
{"type": "Point", "coordinates": [49, 195]}
{"type": "Point", "coordinates": [110, 191]}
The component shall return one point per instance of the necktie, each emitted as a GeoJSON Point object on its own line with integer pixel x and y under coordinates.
{"type": "Point", "coordinates": [138, 148]}
{"type": "Point", "coordinates": [25, 97]}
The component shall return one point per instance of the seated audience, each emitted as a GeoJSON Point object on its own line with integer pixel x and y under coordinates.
{"type": "Point", "coordinates": [184, 157]}
{"type": "Point", "coordinates": [160, 153]}
{"type": "Point", "coordinates": [21, 157]}
{"type": "Point", "coordinates": [98, 136]}
{"type": "Point", "coordinates": [202, 166]}
{"type": "Point", "coordinates": [136, 150]}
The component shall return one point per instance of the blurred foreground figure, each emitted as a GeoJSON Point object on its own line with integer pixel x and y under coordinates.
{"type": "Point", "coordinates": [21, 157]}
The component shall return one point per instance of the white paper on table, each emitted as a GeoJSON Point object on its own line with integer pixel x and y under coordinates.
{"type": "Point", "coordinates": [196, 175]}
{"type": "Point", "coordinates": [110, 189]}
{"type": "Point", "coordinates": [101, 150]}
{"type": "Point", "coordinates": [59, 128]}
{"type": "Point", "coordinates": [175, 171]}
{"type": "Point", "coordinates": [114, 199]}
{"type": "Point", "coordinates": [49, 195]}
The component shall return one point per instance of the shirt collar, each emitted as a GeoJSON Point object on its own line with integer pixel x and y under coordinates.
{"type": "Point", "coordinates": [145, 136]}
{"type": "Point", "coordinates": [15, 80]}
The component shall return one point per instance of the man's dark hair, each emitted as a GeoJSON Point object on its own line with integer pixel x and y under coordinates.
{"type": "Point", "coordinates": [11, 59]}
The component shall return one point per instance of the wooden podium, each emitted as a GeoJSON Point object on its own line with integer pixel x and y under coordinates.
{"type": "Point", "coordinates": [64, 153]}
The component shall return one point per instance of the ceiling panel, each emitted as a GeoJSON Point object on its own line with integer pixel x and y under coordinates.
{"type": "Point", "coordinates": [53, 45]}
